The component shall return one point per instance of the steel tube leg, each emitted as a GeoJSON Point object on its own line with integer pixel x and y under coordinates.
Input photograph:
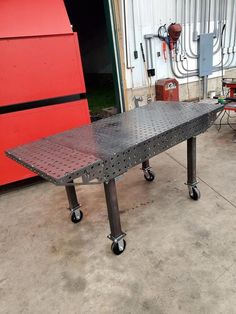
{"type": "Point", "coordinates": [145, 164]}
{"type": "Point", "coordinates": [194, 193]}
{"type": "Point", "coordinates": [191, 160]}
{"type": "Point", "coordinates": [76, 213]}
{"type": "Point", "coordinates": [117, 235]}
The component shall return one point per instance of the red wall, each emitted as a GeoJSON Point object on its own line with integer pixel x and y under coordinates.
{"type": "Point", "coordinates": [40, 59]}
{"type": "Point", "coordinates": [35, 68]}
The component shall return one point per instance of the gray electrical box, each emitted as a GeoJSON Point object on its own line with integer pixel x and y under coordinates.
{"type": "Point", "coordinates": [205, 54]}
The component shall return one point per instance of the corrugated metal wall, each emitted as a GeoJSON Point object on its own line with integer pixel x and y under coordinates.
{"type": "Point", "coordinates": [196, 17]}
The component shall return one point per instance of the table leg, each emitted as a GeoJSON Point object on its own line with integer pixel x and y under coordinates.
{"type": "Point", "coordinates": [74, 206]}
{"type": "Point", "coordinates": [194, 193]}
{"type": "Point", "coordinates": [145, 164]}
{"type": "Point", "coordinates": [117, 235]}
{"type": "Point", "coordinates": [149, 175]}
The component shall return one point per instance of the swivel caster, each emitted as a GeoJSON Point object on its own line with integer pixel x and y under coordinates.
{"type": "Point", "coordinates": [194, 193]}
{"type": "Point", "coordinates": [76, 216]}
{"type": "Point", "coordinates": [118, 247]}
{"type": "Point", "coordinates": [149, 175]}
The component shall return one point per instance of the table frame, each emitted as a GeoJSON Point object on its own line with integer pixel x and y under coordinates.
{"type": "Point", "coordinates": [98, 154]}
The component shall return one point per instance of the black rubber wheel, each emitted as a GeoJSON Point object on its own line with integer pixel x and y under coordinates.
{"type": "Point", "coordinates": [115, 248]}
{"type": "Point", "coordinates": [195, 193]}
{"type": "Point", "coordinates": [74, 219]}
{"type": "Point", "coordinates": [149, 175]}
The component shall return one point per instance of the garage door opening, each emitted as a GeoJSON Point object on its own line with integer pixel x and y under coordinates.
{"type": "Point", "coordinates": [89, 21]}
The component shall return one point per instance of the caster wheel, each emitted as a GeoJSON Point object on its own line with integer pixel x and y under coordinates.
{"type": "Point", "coordinates": [194, 193]}
{"type": "Point", "coordinates": [116, 249]}
{"type": "Point", "coordinates": [74, 217]}
{"type": "Point", "coordinates": [149, 175]}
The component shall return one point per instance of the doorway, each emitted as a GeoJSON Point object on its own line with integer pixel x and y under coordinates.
{"type": "Point", "coordinates": [88, 19]}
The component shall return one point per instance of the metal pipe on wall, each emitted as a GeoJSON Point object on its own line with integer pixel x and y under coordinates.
{"type": "Point", "coordinates": [222, 13]}
{"type": "Point", "coordinates": [205, 17]}
{"type": "Point", "coordinates": [205, 78]}
{"type": "Point", "coordinates": [229, 28]}
{"type": "Point", "coordinates": [134, 32]}
{"type": "Point", "coordinates": [232, 39]}
{"type": "Point", "coordinates": [182, 75]}
{"type": "Point", "coordinates": [147, 54]}
{"type": "Point", "coordinates": [215, 31]}
{"type": "Point", "coordinates": [205, 86]}
{"type": "Point", "coordinates": [233, 30]}
{"type": "Point", "coordinates": [190, 55]}
{"type": "Point", "coordinates": [228, 31]}
{"type": "Point", "coordinates": [218, 22]}
{"type": "Point", "coordinates": [179, 70]}
{"type": "Point", "coordinates": [226, 28]}
{"type": "Point", "coordinates": [184, 49]}
{"type": "Point", "coordinates": [203, 23]}
{"type": "Point", "coordinates": [128, 59]}
{"type": "Point", "coordinates": [209, 17]}
{"type": "Point", "coordinates": [201, 19]}
{"type": "Point", "coordinates": [190, 28]}
{"type": "Point", "coordinates": [214, 14]}
{"type": "Point", "coordinates": [217, 44]}
{"type": "Point", "coordinates": [187, 70]}
{"type": "Point", "coordinates": [176, 10]}
{"type": "Point", "coordinates": [183, 29]}
{"type": "Point", "coordinates": [116, 57]}
{"type": "Point", "coordinates": [150, 49]}
{"type": "Point", "coordinates": [186, 38]}
{"type": "Point", "coordinates": [195, 33]}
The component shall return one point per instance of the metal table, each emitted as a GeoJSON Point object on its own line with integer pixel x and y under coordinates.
{"type": "Point", "coordinates": [107, 148]}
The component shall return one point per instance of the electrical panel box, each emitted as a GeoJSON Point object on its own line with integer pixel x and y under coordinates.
{"type": "Point", "coordinates": [205, 54]}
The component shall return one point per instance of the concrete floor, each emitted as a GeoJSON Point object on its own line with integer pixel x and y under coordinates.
{"type": "Point", "coordinates": [180, 255]}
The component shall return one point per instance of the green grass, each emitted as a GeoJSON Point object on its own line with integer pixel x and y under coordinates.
{"type": "Point", "coordinates": [100, 98]}
{"type": "Point", "coordinates": [100, 91]}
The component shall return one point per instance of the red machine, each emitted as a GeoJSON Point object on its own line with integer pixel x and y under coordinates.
{"type": "Point", "coordinates": [42, 86]}
{"type": "Point", "coordinates": [170, 35]}
{"type": "Point", "coordinates": [174, 31]}
{"type": "Point", "coordinates": [231, 84]}
{"type": "Point", "coordinates": [167, 89]}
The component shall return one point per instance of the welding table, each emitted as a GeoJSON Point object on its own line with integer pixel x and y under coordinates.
{"type": "Point", "coordinates": [107, 148]}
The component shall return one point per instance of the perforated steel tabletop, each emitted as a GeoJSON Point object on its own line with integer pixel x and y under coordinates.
{"type": "Point", "coordinates": [107, 148]}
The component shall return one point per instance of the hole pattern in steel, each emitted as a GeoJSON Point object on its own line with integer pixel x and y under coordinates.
{"type": "Point", "coordinates": [50, 161]}
{"type": "Point", "coordinates": [107, 148]}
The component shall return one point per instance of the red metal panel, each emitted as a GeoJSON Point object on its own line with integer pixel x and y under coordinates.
{"type": "Point", "coordinates": [25, 126]}
{"type": "Point", "coordinates": [38, 68]}
{"type": "Point", "coordinates": [33, 17]}
{"type": "Point", "coordinates": [232, 89]}
{"type": "Point", "coordinates": [231, 106]}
